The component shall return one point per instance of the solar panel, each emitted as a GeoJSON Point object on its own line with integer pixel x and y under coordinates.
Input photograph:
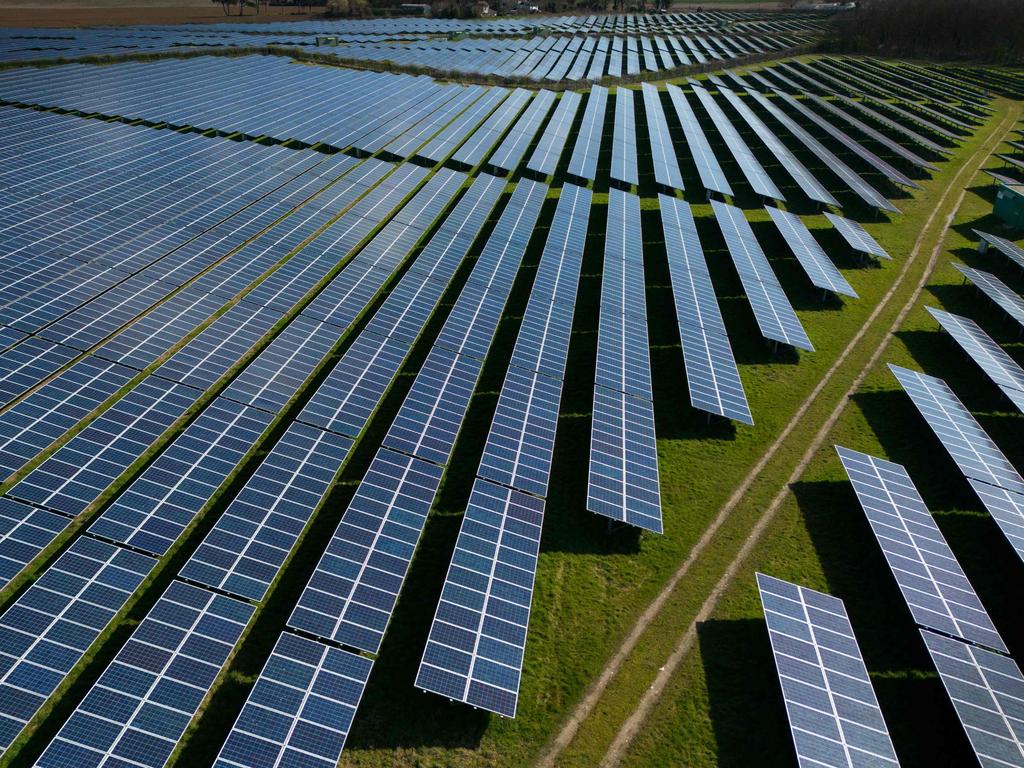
{"type": "Point", "coordinates": [301, 708]}
{"type": "Point", "coordinates": [475, 148]}
{"type": "Point", "coordinates": [80, 471]}
{"type": "Point", "coordinates": [429, 420]}
{"type": "Point", "coordinates": [893, 146]}
{"type": "Point", "coordinates": [990, 357]}
{"type": "Point", "coordinates": [353, 591]}
{"type": "Point", "coordinates": [933, 584]}
{"type": "Point", "coordinates": [834, 717]}
{"type": "Point", "coordinates": [1008, 248]}
{"type": "Point", "coordinates": [138, 710]}
{"type": "Point", "coordinates": [273, 378]}
{"type": "Point", "coordinates": [958, 431]}
{"type": "Point", "coordinates": [986, 689]}
{"type": "Point", "coordinates": [543, 339]}
{"type": "Point", "coordinates": [477, 639]}
{"type": "Point", "coordinates": [97, 319]}
{"type": "Point", "coordinates": [753, 171]}
{"type": "Point", "coordinates": [857, 237]}
{"type": "Point", "coordinates": [1006, 508]}
{"type": "Point", "coordinates": [711, 373]}
{"type": "Point", "coordinates": [623, 166]}
{"type": "Point", "coordinates": [35, 422]}
{"type": "Point", "coordinates": [663, 152]}
{"type": "Point", "coordinates": [583, 163]}
{"type": "Point", "coordinates": [851, 144]}
{"type": "Point", "coordinates": [623, 357]}
{"type": "Point", "coordinates": [212, 353]}
{"type": "Point", "coordinates": [549, 149]}
{"type": "Point", "coordinates": [510, 152]}
{"type": "Point", "coordinates": [49, 628]}
{"type": "Point", "coordinates": [774, 314]}
{"type": "Point", "coordinates": [996, 290]}
{"type": "Point", "coordinates": [521, 439]}
{"type": "Point", "coordinates": [711, 174]}
{"type": "Point", "coordinates": [851, 178]}
{"type": "Point", "coordinates": [149, 337]}
{"type": "Point", "coordinates": [250, 542]}
{"type": "Point", "coordinates": [25, 365]}
{"type": "Point", "coordinates": [24, 532]}
{"type": "Point", "coordinates": [351, 392]}
{"type": "Point", "coordinates": [623, 483]}
{"type": "Point", "coordinates": [157, 507]}
{"type": "Point", "coordinates": [797, 170]}
{"type": "Point", "coordinates": [816, 263]}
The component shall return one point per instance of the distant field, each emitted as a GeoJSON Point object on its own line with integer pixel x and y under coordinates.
{"type": "Point", "coordinates": [83, 13]}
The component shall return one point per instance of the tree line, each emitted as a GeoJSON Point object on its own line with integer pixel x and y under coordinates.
{"type": "Point", "coordinates": [978, 30]}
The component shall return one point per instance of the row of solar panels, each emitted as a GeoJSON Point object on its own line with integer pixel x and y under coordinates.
{"type": "Point", "coordinates": [818, 662]}
{"type": "Point", "coordinates": [555, 59]}
{"type": "Point", "coordinates": [420, 109]}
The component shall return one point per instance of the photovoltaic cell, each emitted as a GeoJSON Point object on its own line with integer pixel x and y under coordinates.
{"type": "Point", "coordinates": [711, 372]}
{"type": "Point", "coordinates": [250, 542]}
{"type": "Point", "coordinates": [858, 237]}
{"type": "Point", "coordinates": [711, 174]}
{"type": "Point", "coordinates": [754, 172]}
{"type": "Point", "coordinates": [583, 163]}
{"type": "Point", "coordinates": [1002, 369]}
{"type": "Point", "coordinates": [774, 314]}
{"type": "Point", "coordinates": [24, 532]}
{"type": "Point", "coordinates": [834, 716]}
{"type": "Point", "coordinates": [958, 431]}
{"type": "Point", "coordinates": [521, 440]}
{"type": "Point", "coordinates": [157, 508]}
{"type": "Point", "coordinates": [210, 355]}
{"type": "Point", "coordinates": [301, 708]}
{"type": "Point", "coordinates": [1008, 248]}
{"type": "Point", "coordinates": [35, 422]}
{"type": "Point", "coordinates": [623, 483]}
{"type": "Point", "coordinates": [663, 152]}
{"type": "Point", "coordinates": [273, 378]}
{"type": "Point", "coordinates": [1006, 508]}
{"type": "Point", "coordinates": [50, 627]}
{"type": "Point", "coordinates": [933, 584]}
{"type": "Point", "coordinates": [995, 289]}
{"type": "Point", "coordinates": [861, 188]}
{"type": "Point", "coordinates": [623, 357]}
{"type": "Point", "coordinates": [987, 691]}
{"type": "Point", "coordinates": [353, 591]}
{"type": "Point", "coordinates": [549, 149]}
{"type": "Point", "coordinates": [477, 639]}
{"type": "Point", "coordinates": [816, 263]}
{"type": "Point", "coordinates": [81, 470]}
{"type": "Point", "coordinates": [623, 167]}
{"type": "Point", "coordinates": [25, 365]}
{"type": "Point", "coordinates": [138, 710]}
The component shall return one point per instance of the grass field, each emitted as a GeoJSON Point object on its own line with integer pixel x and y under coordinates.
{"type": "Point", "coordinates": [722, 707]}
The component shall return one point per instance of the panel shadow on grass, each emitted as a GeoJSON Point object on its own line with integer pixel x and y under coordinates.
{"type": "Point", "coordinates": [745, 703]}
{"type": "Point", "coordinates": [908, 692]}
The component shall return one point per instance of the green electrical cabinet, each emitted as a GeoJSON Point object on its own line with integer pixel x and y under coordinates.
{"type": "Point", "coordinates": [1010, 205]}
